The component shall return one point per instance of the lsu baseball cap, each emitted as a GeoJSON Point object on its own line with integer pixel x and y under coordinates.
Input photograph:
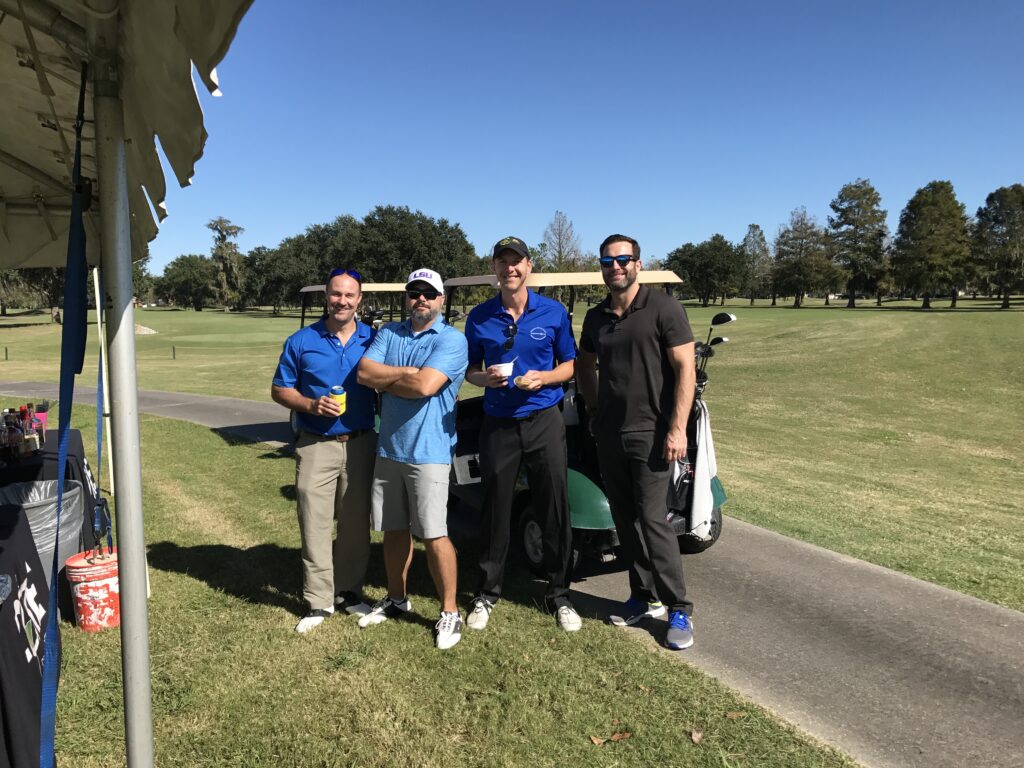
{"type": "Point", "coordinates": [428, 276]}
{"type": "Point", "coordinates": [511, 244]}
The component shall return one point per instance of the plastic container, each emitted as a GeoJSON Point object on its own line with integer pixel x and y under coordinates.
{"type": "Point", "coordinates": [95, 590]}
{"type": "Point", "coordinates": [39, 500]}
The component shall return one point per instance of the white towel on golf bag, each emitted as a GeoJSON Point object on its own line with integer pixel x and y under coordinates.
{"type": "Point", "coordinates": [704, 469]}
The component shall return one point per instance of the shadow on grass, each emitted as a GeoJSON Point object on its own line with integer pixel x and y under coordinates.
{"type": "Point", "coordinates": [263, 432]}
{"type": "Point", "coordinates": [268, 574]}
{"type": "Point", "coordinates": [283, 452]}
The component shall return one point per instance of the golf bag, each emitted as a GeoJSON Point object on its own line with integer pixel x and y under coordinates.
{"type": "Point", "coordinates": [695, 495]}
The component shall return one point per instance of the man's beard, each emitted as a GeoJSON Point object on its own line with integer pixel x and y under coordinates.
{"type": "Point", "coordinates": [425, 316]}
{"type": "Point", "coordinates": [625, 282]}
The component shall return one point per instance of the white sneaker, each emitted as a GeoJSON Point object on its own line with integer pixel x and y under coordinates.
{"type": "Point", "coordinates": [385, 609]}
{"type": "Point", "coordinates": [312, 620]}
{"type": "Point", "coordinates": [448, 630]}
{"type": "Point", "coordinates": [352, 603]}
{"type": "Point", "coordinates": [481, 613]}
{"type": "Point", "coordinates": [568, 619]}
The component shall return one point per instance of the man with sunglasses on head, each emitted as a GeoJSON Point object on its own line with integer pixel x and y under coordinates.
{"type": "Point", "coordinates": [418, 365]}
{"type": "Point", "coordinates": [638, 413]}
{"type": "Point", "coordinates": [522, 426]}
{"type": "Point", "coordinates": [335, 451]}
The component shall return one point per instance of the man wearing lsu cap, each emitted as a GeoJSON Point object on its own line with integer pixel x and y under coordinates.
{"type": "Point", "coordinates": [335, 451]}
{"type": "Point", "coordinates": [419, 365]}
{"type": "Point", "coordinates": [522, 425]}
{"type": "Point", "coordinates": [639, 408]}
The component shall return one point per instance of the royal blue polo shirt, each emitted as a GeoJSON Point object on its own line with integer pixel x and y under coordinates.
{"type": "Point", "coordinates": [543, 340]}
{"type": "Point", "coordinates": [313, 361]}
{"type": "Point", "coordinates": [420, 430]}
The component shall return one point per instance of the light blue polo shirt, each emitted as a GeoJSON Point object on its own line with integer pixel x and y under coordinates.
{"type": "Point", "coordinates": [420, 430]}
{"type": "Point", "coordinates": [313, 361]}
{"type": "Point", "coordinates": [543, 340]}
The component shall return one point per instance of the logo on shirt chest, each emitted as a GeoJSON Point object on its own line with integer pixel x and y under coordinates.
{"type": "Point", "coordinates": [538, 334]}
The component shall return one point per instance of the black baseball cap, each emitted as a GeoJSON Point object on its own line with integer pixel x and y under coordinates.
{"type": "Point", "coordinates": [511, 244]}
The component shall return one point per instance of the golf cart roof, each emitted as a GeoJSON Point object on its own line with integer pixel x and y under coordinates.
{"type": "Point", "coordinates": [554, 279]}
{"type": "Point", "coordinates": [367, 288]}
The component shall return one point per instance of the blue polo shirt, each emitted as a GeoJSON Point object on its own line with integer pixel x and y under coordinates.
{"type": "Point", "coordinates": [420, 430]}
{"type": "Point", "coordinates": [544, 339]}
{"type": "Point", "coordinates": [313, 361]}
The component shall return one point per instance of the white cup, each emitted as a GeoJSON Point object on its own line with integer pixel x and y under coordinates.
{"type": "Point", "coordinates": [504, 369]}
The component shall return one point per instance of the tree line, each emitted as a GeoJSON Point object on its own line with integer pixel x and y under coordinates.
{"type": "Point", "coordinates": [938, 250]}
{"type": "Point", "coordinates": [385, 246]}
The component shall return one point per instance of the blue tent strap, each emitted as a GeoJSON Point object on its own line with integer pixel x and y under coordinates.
{"type": "Point", "coordinates": [72, 355]}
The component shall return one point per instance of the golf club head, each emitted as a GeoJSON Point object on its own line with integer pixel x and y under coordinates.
{"type": "Point", "coordinates": [722, 318]}
{"type": "Point", "coordinates": [718, 340]}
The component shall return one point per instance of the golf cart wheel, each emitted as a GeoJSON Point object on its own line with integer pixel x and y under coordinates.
{"type": "Point", "coordinates": [691, 545]}
{"type": "Point", "coordinates": [530, 540]}
{"type": "Point", "coordinates": [293, 422]}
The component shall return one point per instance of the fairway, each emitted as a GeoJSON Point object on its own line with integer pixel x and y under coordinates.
{"type": "Point", "coordinates": [888, 435]}
{"type": "Point", "coordinates": [233, 685]}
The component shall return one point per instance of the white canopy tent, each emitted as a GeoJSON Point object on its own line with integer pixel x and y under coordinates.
{"type": "Point", "coordinates": [140, 56]}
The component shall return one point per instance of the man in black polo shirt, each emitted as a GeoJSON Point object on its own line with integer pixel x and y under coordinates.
{"type": "Point", "coordinates": [530, 334]}
{"type": "Point", "coordinates": [644, 345]}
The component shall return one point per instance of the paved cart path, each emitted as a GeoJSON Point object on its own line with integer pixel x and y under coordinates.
{"type": "Point", "coordinates": [895, 671]}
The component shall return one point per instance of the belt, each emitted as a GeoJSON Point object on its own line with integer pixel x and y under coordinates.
{"type": "Point", "coordinates": [341, 438]}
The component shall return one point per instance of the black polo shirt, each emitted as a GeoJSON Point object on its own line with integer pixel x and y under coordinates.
{"type": "Point", "coordinates": [636, 386]}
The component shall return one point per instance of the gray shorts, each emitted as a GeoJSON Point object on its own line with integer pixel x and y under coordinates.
{"type": "Point", "coordinates": [410, 497]}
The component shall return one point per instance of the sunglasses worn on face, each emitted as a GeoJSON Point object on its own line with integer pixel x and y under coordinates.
{"type": "Point", "coordinates": [510, 332]}
{"type": "Point", "coordinates": [606, 261]}
{"type": "Point", "coordinates": [350, 272]}
{"type": "Point", "coordinates": [429, 295]}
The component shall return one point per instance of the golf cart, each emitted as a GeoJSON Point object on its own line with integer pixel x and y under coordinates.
{"type": "Point", "coordinates": [594, 534]}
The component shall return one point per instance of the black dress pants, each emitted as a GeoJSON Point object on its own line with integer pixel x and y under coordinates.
{"type": "Point", "coordinates": [636, 478]}
{"type": "Point", "coordinates": [538, 442]}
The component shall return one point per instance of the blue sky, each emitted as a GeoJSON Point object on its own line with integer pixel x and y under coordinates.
{"type": "Point", "coordinates": [668, 121]}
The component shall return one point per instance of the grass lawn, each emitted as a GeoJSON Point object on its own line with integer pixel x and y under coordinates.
{"type": "Point", "coordinates": [890, 435]}
{"type": "Point", "coordinates": [233, 685]}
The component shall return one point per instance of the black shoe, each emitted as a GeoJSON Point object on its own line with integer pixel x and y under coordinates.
{"type": "Point", "coordinates": [385, 609]}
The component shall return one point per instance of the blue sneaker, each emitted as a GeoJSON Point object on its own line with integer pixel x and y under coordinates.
{"type": "Point", "coordinates": [680, 631]}
{"type": "Point", "coordinates": [633, 611]}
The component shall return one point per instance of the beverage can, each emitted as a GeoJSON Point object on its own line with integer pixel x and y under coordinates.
{"type": "Point", "coordinates": [338, 395]}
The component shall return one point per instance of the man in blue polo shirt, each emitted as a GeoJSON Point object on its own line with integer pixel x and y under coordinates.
{"type": "Point", "coordinates": [522, 426]}
{"type": "Point", "coordinates": [334, 455]}
{"type": "Point", "coordinates": [419, 365]}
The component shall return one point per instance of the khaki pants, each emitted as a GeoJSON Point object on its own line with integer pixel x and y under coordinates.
{"type": "Point", "coordinates": [332, 482]}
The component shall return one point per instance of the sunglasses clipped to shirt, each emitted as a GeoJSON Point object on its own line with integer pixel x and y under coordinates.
{"type": "Point", "coordinates": [510, 334]}
{"type": "Point", "coordinates": [429, 294]}
{"type": "Point", "coordinates": [622, 261]}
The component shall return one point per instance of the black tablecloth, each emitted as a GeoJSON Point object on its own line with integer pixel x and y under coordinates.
{"type": "Point", "coordinates": [43, 466]}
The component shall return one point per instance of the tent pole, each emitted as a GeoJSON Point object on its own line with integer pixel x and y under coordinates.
{"type": "Point", "coordinates": [115, 240]}
{"type": "Point", "coordinates": [106, 377]}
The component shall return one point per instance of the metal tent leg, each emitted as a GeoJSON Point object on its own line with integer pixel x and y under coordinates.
{"type": "Point", "coordinates": [117, 274]}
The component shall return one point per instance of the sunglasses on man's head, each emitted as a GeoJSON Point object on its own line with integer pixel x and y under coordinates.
{"type": "Point", "coordinates": [606, 261]}
{"type": "Point", "coordinates": [350, 272]}
{"type": "Point", "coordinates": [510, 332]}
{"type": "Point", "coordinates": [428, 294]}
